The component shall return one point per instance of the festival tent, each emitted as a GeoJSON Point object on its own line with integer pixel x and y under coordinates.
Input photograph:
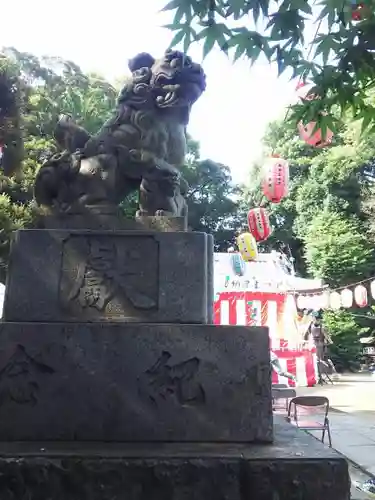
{"type": "Point", "coordinates": [264, 296]}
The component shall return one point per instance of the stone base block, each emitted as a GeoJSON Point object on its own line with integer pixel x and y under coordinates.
{"type": "Point", "coordinates": [134, 383]}
{"type": "Point", "coordinates": [140, 276]}
{"type": "Point", "coordinates": [295, 467]}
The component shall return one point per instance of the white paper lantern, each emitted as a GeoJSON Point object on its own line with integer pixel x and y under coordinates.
{"type": "Point", "coordinates": [360, 296]}
{"type": "Point", "coordinates": [301, 302]}
{"type": "Point", "coordinates": [318, 302]}
{"type": "Point", "coordinates": [346, 298]}
{"type": "Point", "coordinates": [325, 300]}
{"type": "Point", "coordinates": [309, 302]}
{"type": "Point", "coordinates": [372, 287]}
{"type": "Point", "coordinates": [335, 300]}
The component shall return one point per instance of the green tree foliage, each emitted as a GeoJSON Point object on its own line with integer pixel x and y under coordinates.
{"type": "Point", "coordinates": [42, 89]}
{"type": "Point", "coordinates": [211, 198]}
{"type": "Point", "coordinates": [337, 248]}
{"type": "Point", "coordinates": [327, 219]}
{"type": "Point", "coordinates": [340, 60]}
{"type": "Point", "coordinates": [344, 329]}
{"type": "Point", "coordinates": [10, 116]}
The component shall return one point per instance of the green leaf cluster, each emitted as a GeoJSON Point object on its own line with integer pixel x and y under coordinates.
{"type": "Point", "coordinates": [340, 60]}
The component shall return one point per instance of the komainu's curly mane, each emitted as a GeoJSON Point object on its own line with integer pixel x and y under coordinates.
{"type": "Point", "coordinates": [153, 108]}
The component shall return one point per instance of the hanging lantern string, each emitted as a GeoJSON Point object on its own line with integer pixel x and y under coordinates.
{"type": "Point", "coordinates": [351, 284]}
{"type": "Point", "coordinates": [338, 288]}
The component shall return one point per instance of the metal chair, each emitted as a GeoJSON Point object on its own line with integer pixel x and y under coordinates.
{"type": "Point", "coordinates": [308, 423]}
{"type": "Point", "coordinates": [284, 392]}
{"type": "Point", "coordinates": [325, 371]}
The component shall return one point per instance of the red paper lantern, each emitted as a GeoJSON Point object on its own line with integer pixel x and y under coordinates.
{"type": "Point", "coordinates": [360, 296]}
{"type": "Point", "coordinates": [358, 11]}
{"type": "Point", "coordinates": [306, 132]}
{"type": "Point", "coordinates": [315, 139]}
{"type": "Point", "coordinates": [259, 223]}
{"type": "Point", "coordinates": [276, 179]}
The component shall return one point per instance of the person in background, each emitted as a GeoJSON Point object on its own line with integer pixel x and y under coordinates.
{"type": "Point", "coordinates": [276, 365]}
{"type": "Point", "coordinates": [322, 339]}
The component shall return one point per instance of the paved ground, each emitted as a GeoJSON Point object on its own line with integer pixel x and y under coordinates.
{"type": "Point", "coordinates": [352, 420]}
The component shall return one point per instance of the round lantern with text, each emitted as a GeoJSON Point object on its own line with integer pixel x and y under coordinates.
{"type": "Point", "coordinates": [247, 247]}
{"type": "Point", "coordinates": [276, 179]}
{"type": "Point", "coordinates": [307, 132]}
{"type": "Point", "coordinates": [259, 223]}
{"type": "Point", "coordinates": [360, 296]}
{"type": "Point", "coordinates": [238, 264]}
{"type": "Point", "coordinates": [346, 298]}
{"type": "Point", "coordinates": [335, 300]}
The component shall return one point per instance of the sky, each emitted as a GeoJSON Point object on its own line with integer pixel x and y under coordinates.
{"type": "Point", "coordinates": [231, 116]}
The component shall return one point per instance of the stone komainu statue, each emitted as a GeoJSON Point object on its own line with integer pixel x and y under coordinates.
{"type": "Point", "coordinates": [141, 147]}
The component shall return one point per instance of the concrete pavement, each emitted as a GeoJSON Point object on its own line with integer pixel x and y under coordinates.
{"type": "Point", "coordinates": [352, 421]}
{"type": "Point", "coordinates": [352, 417]}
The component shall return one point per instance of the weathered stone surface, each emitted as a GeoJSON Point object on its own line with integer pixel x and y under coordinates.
{"type": "Point", "coordinates": [134, 382]}
{"type": "Point", "coordinates": [210, 278]}
{"type": "Point", "coordinates": [61, 275]}
{"type": "Point", "coordinates": [294, 467]}
{"type": "Point", "coordinates": [91, 218]}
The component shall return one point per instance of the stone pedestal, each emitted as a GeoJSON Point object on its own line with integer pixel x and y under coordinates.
{"type": "Point", "coordinates": [294, 467]}
{"type": "Point", "coordinates": [140, 276]}
{"type": "Point", "coordinates": [134, 383]}
{"type": "Point", "coordinates": [114, 384]}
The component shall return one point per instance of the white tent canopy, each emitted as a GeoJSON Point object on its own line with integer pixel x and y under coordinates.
{"type": "Point", "coordinates": [271, 272]}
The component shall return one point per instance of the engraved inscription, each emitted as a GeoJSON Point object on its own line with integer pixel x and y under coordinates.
{"type": "Point", "coordinates": [177, 380]}
{"type": "Point", "coordinates": [93, 286]}
{"type": "Point", "coordinates": [107, 276]}
{"type": "Point", "coordinates": [19, 378]}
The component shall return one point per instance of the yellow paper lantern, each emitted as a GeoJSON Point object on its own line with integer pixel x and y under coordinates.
{"type": "Point", "coordinates": [247, 247]}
